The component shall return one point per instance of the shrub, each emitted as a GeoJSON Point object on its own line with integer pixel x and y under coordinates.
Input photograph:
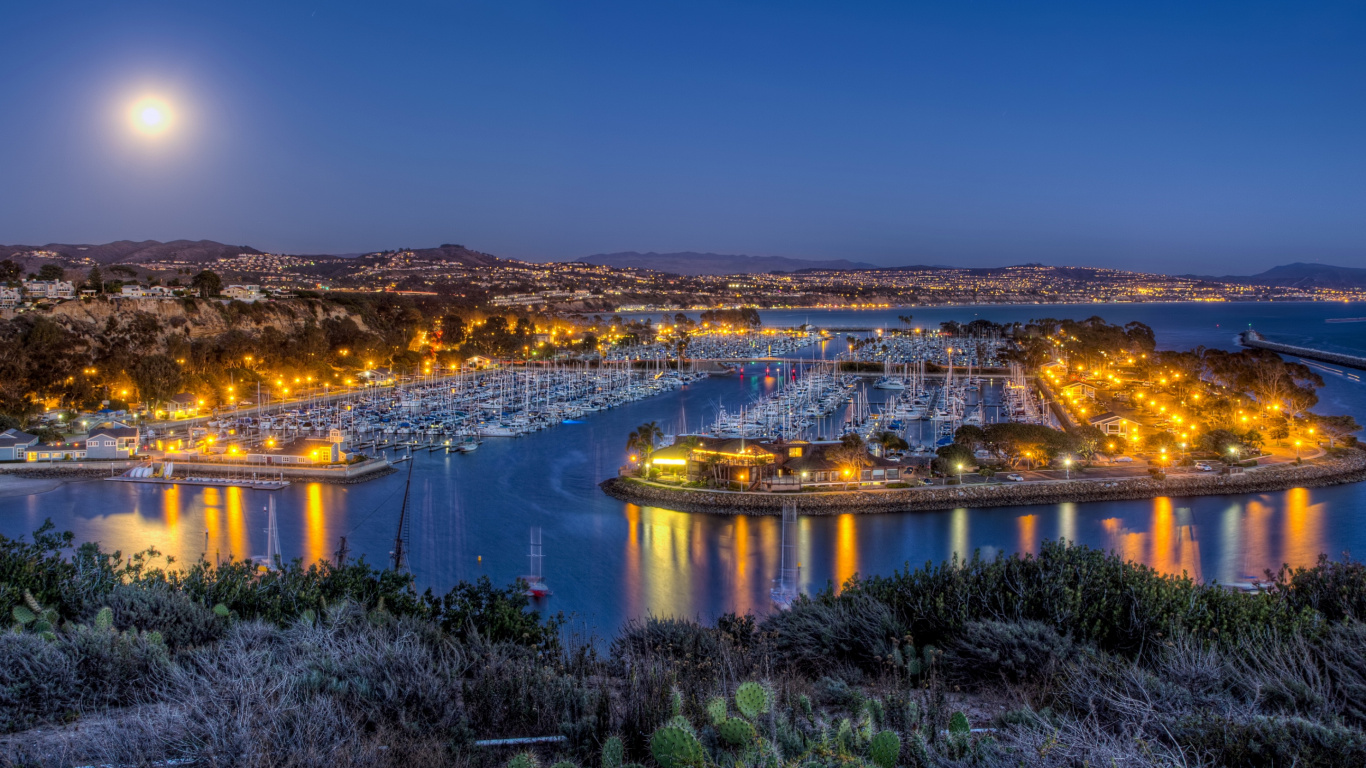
{"type": "Point", "coordinates": [1014, 650]}
{"type": "Point", "coordinates": [37, 681]}
{"type": "Point", "coordinates": [827, 633]}
{"type": "Point", "coordinates": [182, 622]}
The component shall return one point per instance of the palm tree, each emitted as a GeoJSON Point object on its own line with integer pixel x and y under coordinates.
{"type": "Point", "coordinates": [644, 438]}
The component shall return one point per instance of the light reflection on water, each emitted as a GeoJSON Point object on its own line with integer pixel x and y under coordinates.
{"type": "Point", "coordinates": [608, 561]}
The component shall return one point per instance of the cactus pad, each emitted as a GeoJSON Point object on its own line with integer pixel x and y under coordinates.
{"type": "Point", "coordinates": [674, 747]}
{"type": "Point", "coordinates": [736, 731]}
{"type": "Point", "coordinates": [613, 753]}
{"type": "Point", "coordinates": [524, 760]}
{"type": "Point", "coordinates": [716, 710]}
{"type": "Point", "coordinates": [752, 700]}
{"type": "Point", "coordinates": [958, 724]}
{"type": "Point", "coordinates": [885, 749]}
{"type": "Point", "coordinates": [104, 619]}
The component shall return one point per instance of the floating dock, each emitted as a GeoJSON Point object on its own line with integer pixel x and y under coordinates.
{"type": "Point", "coordinates": [220, 482]}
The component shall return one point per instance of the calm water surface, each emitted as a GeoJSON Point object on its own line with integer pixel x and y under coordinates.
{"type": "Point", "coordinates": [608, 561]}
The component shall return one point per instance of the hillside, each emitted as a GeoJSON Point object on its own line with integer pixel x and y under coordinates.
{"type": "Point", "coordinates": [689, 263]}
{"type": "Point", "coordinates": [1301, 275]}
{"type": "Point", "coordinates": [129, 252]}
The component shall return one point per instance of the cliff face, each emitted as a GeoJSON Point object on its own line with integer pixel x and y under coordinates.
{"type": "Point", "coordinates": [195, 317]}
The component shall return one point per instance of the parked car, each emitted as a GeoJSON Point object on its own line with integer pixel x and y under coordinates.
{"type": "Point", "coordinates": [1015, 478]}
{"type": "Point", "coordinates": [1203, 467]}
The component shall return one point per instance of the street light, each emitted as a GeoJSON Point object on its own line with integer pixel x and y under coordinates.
{"type": "Point", "coordinates": [960, 473]}
{"type": "Point", "coordinates": [1067, 464]}
{"type": "Point", "coordinates": [1297, 450]}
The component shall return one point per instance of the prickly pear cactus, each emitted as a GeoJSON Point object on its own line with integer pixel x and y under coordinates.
{"type": "Point", "coordinates": [24, 615]}
{"type": "Point", "coordinates": [876, 713]}
{"type": "Point", "coordinates": [885, 749]}
{"type": "Point", "coordinates": [959, 725]}
{"type": "Point", "coordinates": [221, 611]}
{"type": "Point", "coordinates": [804, 702]}
{"type": "Point", "coordinates": [716, 710]}
{"type": "Point", "coordinates": [613, 753]}
{"type": "Point", "coordinates": [524, 760]}
{"type": "Point", "coordinates": [676, 702]}
{"type": "Point", "coordinates": [752, 700]}
{"type": "Point", "coordinates": [736, 731]}
{"type": "Point", "coordinates": [104, 619]}
{"type": "Point", "coordinates": [674, 747]}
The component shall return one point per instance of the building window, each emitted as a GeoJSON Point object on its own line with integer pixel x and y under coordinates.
{"type": "Point", "coordinates": [794, 452]}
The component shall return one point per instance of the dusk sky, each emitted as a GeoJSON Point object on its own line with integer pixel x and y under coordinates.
{"type": "Point", "coordinates": [1182, 137]}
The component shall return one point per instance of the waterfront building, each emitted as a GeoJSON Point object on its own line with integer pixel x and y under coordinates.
{"type": "Point", "coordinates": [182, 406]}
{"type": "Point", "coordinates": [49, 289]}
{"type": "Point", "coordinates": [770, 465]}
{"type": "Point", "coordinates": [113, 440]}
{"type": "Point", "coordinates": [14, 445]}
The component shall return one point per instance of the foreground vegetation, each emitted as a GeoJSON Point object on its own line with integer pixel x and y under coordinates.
{"type": "Point", "coordinates": [1072, 657]}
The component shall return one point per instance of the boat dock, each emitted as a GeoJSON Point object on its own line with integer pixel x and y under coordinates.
{"type": "Point", "coordinates": [217, 482]}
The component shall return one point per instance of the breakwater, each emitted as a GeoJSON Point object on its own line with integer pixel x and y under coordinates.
{"type": "Point", "coordinates": [1254, 339]}
{"type": "Point", "coordinates": [1349, 467]}
{"type": "Point", "coordinates": [370, 469]}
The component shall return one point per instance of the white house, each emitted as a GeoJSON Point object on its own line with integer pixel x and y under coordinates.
{"type": "Point", "coordinates": [49, 289]}
{"type": "Point", "coordinates": [9, 297]}
{"type": "Point", "coordinates": [247, 293]}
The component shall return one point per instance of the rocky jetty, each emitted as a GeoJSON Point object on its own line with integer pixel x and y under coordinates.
{"type": "Point", "coordinates": [1348, 467]}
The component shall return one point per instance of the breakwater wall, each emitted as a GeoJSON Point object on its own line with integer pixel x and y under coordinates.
{"type": "Point", "coordinates": [1254, 339]}
{"type": "Point", "coordinates": [355, 473]}
{"type": "Point", "coordinates": [1349, 467]}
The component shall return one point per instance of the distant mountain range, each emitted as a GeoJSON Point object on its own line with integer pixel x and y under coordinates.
{"type": "Point", "coordinates": [1299, 275]}
{"type": "Point", "coordinates": [689, 263]}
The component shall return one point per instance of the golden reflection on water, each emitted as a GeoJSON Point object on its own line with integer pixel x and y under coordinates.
{"type": "Point", "coordinates": [1303, 529]}
{"type": "Point", "coordinates": [740, 550]}
{"type": "Point", "coordinates": [170, 509]}
{"type": "Point", "coordinates": [237, 528]}
{"type": "Point", "coordinates": [313, 515]}
{"type": "Point", "coordinates": [632, 555]}
{"type": "Point", "coordinates": [1027, 525]}
{"type": "Point", "coordinates": [846, 550]}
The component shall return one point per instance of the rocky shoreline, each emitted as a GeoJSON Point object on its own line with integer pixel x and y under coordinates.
{"type": "Point", "coordinates": [1346, 468]}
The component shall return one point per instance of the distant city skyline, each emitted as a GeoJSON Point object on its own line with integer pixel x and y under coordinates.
{"type": "Point", "coordinates": [1221, 138]}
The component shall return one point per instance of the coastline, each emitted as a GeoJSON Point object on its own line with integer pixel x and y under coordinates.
{"type": "Point", "coordinates": [1346, 468]}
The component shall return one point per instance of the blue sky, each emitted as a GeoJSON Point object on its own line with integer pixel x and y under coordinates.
{"type": "Point", "coordinates": [1183, 137]}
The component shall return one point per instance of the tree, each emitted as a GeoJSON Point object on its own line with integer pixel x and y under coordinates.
{"type": "Point", "coordinates": [952, 457]}
{"type": "Point", "coordinates": [94, 280]}
{"type": "Point", "coordinates": [890, 441]}
{"type": "Point", "coordinates": [207, 283]}
{"type": "Point", "coordinates": [157, 377]}
{"type": "Point", "coordinates": [452, 330]}
{"type": "Point", "coordinates": [10, 272]}
{"type": "Point", "coordinates": [642, 441]}
{"type": "Point", "coordinates": [52, 272]}
{"type": "Point", "coordinates": [851, 457]}
{"type": "Point", "coordinates": [1337, 427]}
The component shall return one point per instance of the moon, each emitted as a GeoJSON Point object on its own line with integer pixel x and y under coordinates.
{"type": "Point", "coordinates": [151, 116]}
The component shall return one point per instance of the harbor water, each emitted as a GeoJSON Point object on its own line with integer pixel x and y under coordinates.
{"type": "Point", "coordinates": [607, 561]}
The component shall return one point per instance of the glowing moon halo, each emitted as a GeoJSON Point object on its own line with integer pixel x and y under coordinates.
{"type": "Point", "coordinates": [150, 116]}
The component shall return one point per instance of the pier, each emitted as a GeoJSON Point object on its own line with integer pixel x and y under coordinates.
{"type": "Point", "coordinates": [1251, 338]}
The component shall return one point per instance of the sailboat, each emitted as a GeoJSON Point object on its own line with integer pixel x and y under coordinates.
{"type": "Point", "coordinates": [786, 586]}
{"type": "Point", "coordinates": [535, 582]}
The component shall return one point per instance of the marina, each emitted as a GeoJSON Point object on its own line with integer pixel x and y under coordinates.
{"type": "Point", "coordinates": [608, 561]}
